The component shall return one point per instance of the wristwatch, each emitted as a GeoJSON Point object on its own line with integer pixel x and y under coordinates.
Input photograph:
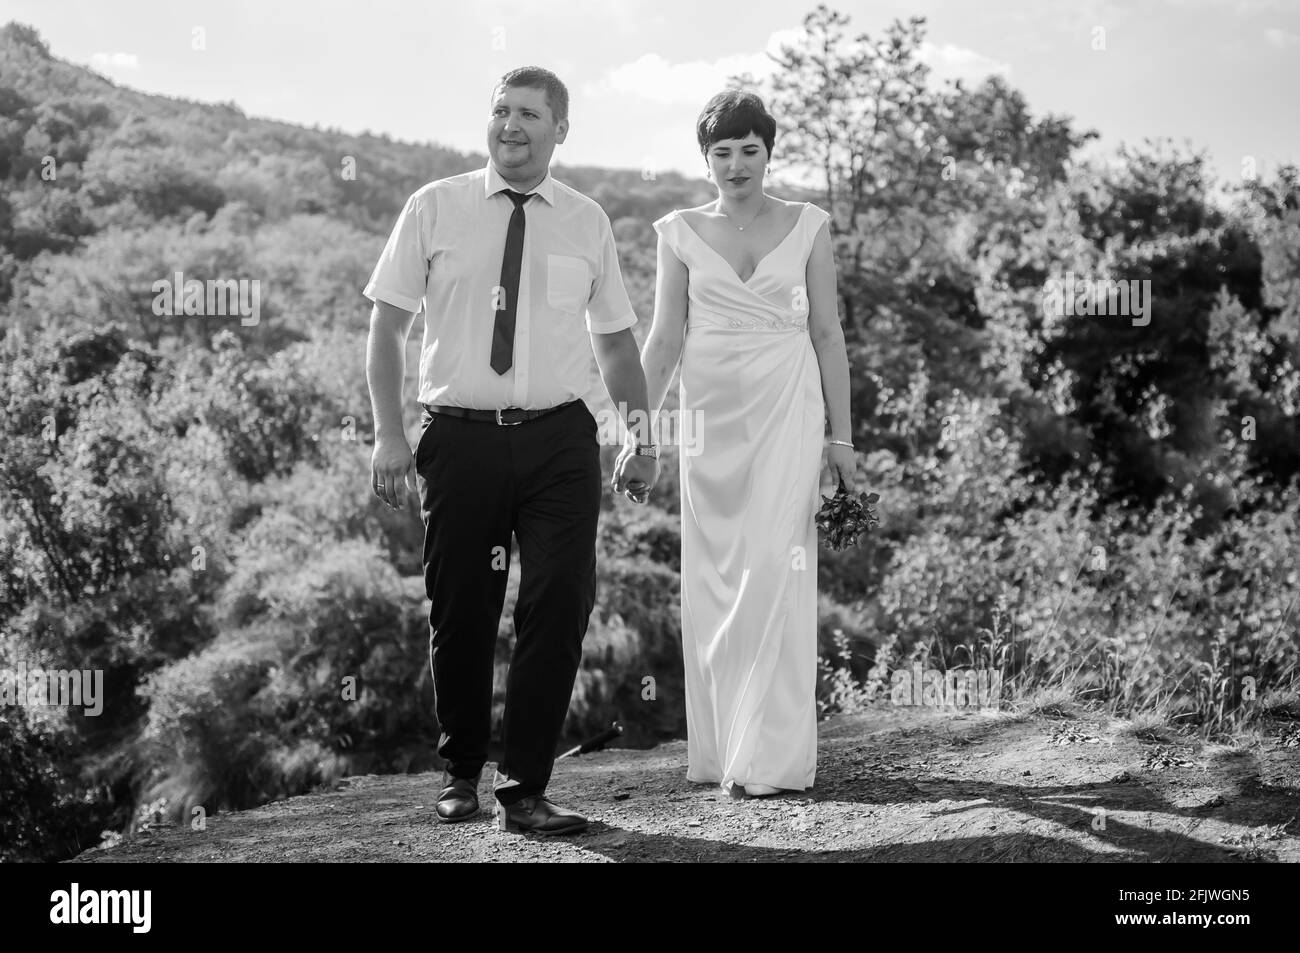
{"type": "Point", "coordinates": [647, 450]}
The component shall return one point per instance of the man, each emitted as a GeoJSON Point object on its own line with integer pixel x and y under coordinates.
{"type": "Point", "coordinates": [505, 261]}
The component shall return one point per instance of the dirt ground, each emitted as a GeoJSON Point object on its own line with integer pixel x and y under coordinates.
{"type": "Point", "coordinates": [894, 784]}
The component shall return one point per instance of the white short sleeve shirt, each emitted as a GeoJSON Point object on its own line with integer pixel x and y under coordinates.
{"type": "Point", "coordinates": [444, 257]}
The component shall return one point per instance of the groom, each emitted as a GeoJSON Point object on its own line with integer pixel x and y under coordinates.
{"type": "Point", "coordinates": [506, 264]}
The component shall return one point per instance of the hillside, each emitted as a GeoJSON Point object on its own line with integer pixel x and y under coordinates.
{"type": "Point", "coordinates": [213, 137]}
{"type": "Point", "coordinates": [894, 784]}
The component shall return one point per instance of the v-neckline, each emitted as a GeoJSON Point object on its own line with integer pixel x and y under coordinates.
{"type": "Point", "coordinates": [758, 264]}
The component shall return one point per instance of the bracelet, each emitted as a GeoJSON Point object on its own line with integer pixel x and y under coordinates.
{"type": "Point", "coordinates": [842, 443]}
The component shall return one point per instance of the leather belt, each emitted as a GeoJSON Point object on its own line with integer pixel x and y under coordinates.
{"type": "Point", "coordinates": [509, 417]}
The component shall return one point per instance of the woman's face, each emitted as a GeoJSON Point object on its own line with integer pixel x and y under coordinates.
{"type": "Point", "coordinates": [738, 164]}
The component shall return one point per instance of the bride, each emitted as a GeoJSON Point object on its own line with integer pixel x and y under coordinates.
{"type": "Point", "coordinates": [745, 298]}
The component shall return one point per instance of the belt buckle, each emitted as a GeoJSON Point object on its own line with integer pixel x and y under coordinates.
{"type": "Point", "coordinates": [507, 423]}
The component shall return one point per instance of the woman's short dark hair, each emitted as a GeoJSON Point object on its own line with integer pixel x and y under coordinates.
{"type": "Point", "coordinates": [734, 114]}
{"type": "Point", "coordinates": [534, 77]}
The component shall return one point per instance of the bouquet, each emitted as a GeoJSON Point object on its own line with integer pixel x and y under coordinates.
{"type": "Point", "coordinates": [844, 518]}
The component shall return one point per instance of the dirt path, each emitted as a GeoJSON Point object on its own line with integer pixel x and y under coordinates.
{"type": "Point", "coordinates": [895, 784]}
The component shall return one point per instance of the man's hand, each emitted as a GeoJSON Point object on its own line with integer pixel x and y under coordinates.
{"type": "Point", "coordinates": [391, 465]}
{"type": "Point", "coordinates": [392, 471]}
{"type": "Point", "coordinates": [619, 361]}
{"type": "Point", "coordinates": [634, 476]}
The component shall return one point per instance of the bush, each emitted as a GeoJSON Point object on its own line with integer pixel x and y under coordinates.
{"type": "Point", "coordinates": [44, 813]}
{"type": "Point", "coordinates": [325, 675]}
{"type": "Point", "coordinates": [635, 634]}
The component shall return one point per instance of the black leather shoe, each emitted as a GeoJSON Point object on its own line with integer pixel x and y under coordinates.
{"type": "Point", "coordinates": [458, 800]}
{"type": "Point", "coordinates": [536, 815]}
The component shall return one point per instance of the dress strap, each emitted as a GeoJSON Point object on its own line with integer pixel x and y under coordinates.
{"type": "Point", "coordinates": [816, 216]}
{"type": "Point", "coordinates": [669, 226]}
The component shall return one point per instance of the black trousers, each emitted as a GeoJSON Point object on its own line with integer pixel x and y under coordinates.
{"type": "Point", "coordinates": [479, 483]}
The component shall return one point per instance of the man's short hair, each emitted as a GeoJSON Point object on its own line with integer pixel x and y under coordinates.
{"type": "Point", "coordinates": [534, 77]}
{"type": "Point", "coordinates": [734, 114]}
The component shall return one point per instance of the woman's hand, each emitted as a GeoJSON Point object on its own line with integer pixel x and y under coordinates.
{"type": "Point", "coordinates": [843, 465]}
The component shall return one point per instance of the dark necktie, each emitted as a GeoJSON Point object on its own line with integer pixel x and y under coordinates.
{"type": "Point", "coordinates": [503, 330]}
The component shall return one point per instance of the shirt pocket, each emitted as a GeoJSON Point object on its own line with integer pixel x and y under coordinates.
{"type": "Point", "coordinates": [568, 283]}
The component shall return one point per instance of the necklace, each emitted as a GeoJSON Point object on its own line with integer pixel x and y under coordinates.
{"type": "Point", "coordinates": [762, 208]}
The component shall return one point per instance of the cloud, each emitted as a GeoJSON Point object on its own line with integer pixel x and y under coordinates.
{"type": "Point", "coordinates": [958, 62]}
{"type": "Point", "coordinates": [1282, 39]}
{"type": "Point", "coordinates": [109, 61]}
{"type": "Point", "coordinates": [654, 78]}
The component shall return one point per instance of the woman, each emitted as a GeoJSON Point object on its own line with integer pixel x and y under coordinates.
{"type": "Point", "coordinates": [745, 297]}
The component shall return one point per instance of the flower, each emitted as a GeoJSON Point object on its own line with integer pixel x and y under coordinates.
{"type": "Point", "coordinates": [844, 518]}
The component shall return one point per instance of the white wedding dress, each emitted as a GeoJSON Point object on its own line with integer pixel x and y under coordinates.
{"type": "Point", "coordinates": [751, 383]}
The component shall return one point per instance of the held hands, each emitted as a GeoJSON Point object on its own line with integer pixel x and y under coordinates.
{"type": "Point", "coordinates": [392, 471]}
{"type": "Point", "coordinates": [634, 476]}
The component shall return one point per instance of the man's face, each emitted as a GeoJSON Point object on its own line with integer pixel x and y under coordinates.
{"type": "Point", "coordinates": [522, 133]}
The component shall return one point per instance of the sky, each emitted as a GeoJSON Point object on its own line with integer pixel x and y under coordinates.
{"type": "Point", "coordinates": [1214, 75]}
